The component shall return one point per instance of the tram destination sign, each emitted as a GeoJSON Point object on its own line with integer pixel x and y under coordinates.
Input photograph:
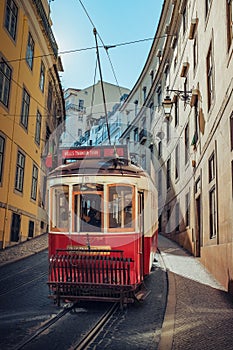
{"type": "Point", "coordinates": [72, 154]}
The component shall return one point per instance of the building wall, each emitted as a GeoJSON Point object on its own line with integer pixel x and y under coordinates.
{"type": "Point", "coordinates": [17, 137]}
{"type": "Point", "coordinates": [192, 149]}
{"type": "Point", "coordinates": [79, 119]}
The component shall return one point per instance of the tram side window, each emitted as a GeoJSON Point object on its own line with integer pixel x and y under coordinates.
{"type": "Point", "coordinates": [121, 200]}
{"type": "Point", "coordinates": [60, 208]}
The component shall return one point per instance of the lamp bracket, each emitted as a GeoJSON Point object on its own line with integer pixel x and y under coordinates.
{"type": "Point", "coordinates": [183, 95]}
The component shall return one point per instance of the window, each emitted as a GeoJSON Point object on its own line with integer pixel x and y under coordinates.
{"type": "Point", "coordinates": [19, 171]}
{"type": "Point", "coordinates": [176, 111]}
{"type": "Point", "coordinates": [42, 76]}
{"type": "Point", "coordinates": [184, 19]}
{"type": "Point", "coordinates": [38, 128]}
{"type": "Point", "coordinates": [187, 209]}
{"type": "Point", "coordinates": [160, 149]}
{"type": "Point", "coordinates": [2, 147]}
{"type": "Point", "coordinates": [121, 207]}
{"type": "Point", "coordinates": [11, 18]}
{"type": "Point", "coordinates": [229, 22]}
{"type": "Point", "coordinates": [34, 182]}
{"type": "Point", "coordinates": [25, 109]}
{"type": "Point", "coordinates": [231, 131]}
{"type": "Point", "coordinates": [30, 51]}
{"type": "Point", "coordinates": [5, 82]}
{"type": "Point", "coordinates": [211, 167]}
{"type": "Point", "coordinates": [80, 105]}
{"type": "Point", "coordinates": [207, 6]}
{"type": "Point", "coordinates": [168, 174]}
{"type": "Point", "coordinates": [49, 99]}
{"type": "Point", "coordinates": [88, 207]}
{"type": "Point", "coordinates": [144, 93]}
{"type": "Point", "coordinates": [31, 229]}
{"type": "Point", "coordinates": [212, 213]}
{"type": "Point", "coordinates": [186, 143]}
{"type": "Point", "coordinates": [210, 76]}
{"type": "Point", "coordinates": [177, 160]}
{"type": "Point", "coordinates": [196, 129]}
{"type": "Point", "coordinates": [59, 213]}
{"type": "Point", "coordinates": [136, 135]}
{"type": "Point", "coordinates": [195, 53]}
{"type": "Point", "coordinates": [177, 213]}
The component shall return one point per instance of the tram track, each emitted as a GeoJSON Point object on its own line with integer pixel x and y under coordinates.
{"type": "Point", "coordinates": [95, 331]}
{"type": "Point", "coordinates": [45, 326]}
{"type": "Point", "coordinates": [85, 341]}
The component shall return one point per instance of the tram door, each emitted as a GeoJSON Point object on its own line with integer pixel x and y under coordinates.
{"type": "Point", "coordinates": [141, 230]}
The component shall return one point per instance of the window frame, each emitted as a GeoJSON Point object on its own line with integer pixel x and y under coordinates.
{"type": "Point", "coordinates": [125, 228]}
{"type": "Point", "coordinates": [30, 51]}
{"type": "Point", "coordinates": [35, 173]}
{"type": "Point", "coordinates": [19, 173]}
{"type": "Point", "coordinates": [212, 213]}
{"type": "Point", "coordinates": [5, 76]}
{"type": "Point", "coordinates": [25, 109]}
{"type": "Point", "coordinates": [42, 76]}
{"type": "Point", "coordinates": [210, 76]}
{"type": "Point", "coordinates": [38, 127]}
{"type": "Point", "coordinates": [11, 18]}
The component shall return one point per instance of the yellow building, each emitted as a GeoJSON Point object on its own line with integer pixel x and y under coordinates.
{"type": "Point", "coordinates": [31, 109]}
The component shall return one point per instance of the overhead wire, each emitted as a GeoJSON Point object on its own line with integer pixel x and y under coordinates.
{"type": "Point", "coordinates": [105, 47]}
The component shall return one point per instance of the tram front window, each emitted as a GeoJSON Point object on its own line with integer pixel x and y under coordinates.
{"type": "Point", "coordinates": [60, 208]}
{"type": "Point", "coordinates": [121, 205]}
{"type": "Point", "coordinates": [88, 208]}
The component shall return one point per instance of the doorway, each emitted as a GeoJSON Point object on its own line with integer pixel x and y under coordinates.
{"type": "Point", "coordinates": [15, 227]}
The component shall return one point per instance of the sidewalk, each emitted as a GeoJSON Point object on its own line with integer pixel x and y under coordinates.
{"type": "Point", "coordinates": [199, 312]}
{"type": "Point", "coordinates": [23, 249]}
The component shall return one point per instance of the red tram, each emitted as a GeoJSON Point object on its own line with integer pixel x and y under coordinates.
{"type": "Point", "coordinates": [103, 227]}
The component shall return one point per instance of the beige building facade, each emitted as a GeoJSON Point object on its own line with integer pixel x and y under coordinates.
{"type": "Point", "coordinates": [84, 108]}
{"type": "Point", "coordinates": [31, 109]}
{"type": "Point", "coordinates": [190, 63]}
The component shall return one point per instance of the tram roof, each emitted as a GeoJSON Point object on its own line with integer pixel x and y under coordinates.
{"type": "Point", "coordinates": [116, 166]}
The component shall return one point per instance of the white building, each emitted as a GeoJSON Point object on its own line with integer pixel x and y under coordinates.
{"type": "Point", "coordinates": [85, 107]}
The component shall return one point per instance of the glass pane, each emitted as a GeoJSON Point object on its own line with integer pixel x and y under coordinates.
{"type": "Point", "coordinates": [60, 208]}
{"type": "Point", "coordinates": [120, 206]}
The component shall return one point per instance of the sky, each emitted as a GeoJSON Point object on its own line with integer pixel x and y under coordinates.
{"type": "Point", "coordinates": [117, 22]}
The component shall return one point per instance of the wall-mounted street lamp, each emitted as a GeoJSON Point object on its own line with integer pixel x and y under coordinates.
{"type": "Point", "coordinates": [167, 103]}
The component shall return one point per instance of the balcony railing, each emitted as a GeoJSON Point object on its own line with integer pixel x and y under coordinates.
{"type": "Point", "coordinates": [75, 107]}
